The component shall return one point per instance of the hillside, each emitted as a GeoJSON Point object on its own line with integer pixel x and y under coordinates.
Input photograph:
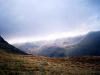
{"type": "Point", "coordinates": [16, 64]}
{"type": "Point", "coordinates": [89, 46]}
{"type": "Point", "coordinates": [55, 48]}
{"type": "Point", "coordinates": [9, 48]}
{"type": "Point", "coordinates": [86, 45]}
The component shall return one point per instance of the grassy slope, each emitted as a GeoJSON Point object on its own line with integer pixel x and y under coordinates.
{"type": "Point", "coordinates": [11, 64]}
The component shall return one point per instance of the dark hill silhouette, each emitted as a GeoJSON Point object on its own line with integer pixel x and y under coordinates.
{"type": "Point", "coordinates": [5, 46]}
{"type": "Point", "coordinates": [86, 45]}
{"type": "Point", "coordinates": [89, 46]}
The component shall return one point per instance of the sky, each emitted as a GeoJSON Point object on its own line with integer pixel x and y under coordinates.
{"type": "Point", "coordinates": [31, 20]}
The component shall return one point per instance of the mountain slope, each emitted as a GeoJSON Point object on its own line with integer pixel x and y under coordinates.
{"type": "Point", "coordinates": [11, 63]}
{"type": "Point", "coordinates": [86, 45]}
{"type": "Point", "coordinates": [89, 46]}
{"type": "Point", "coordinates": [5, 46]}
{"type": "Point", "coordinates": [54, 48]}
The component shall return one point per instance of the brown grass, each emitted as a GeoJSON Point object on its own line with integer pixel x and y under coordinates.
{"type": "Point", "coordinates": [33, 65]}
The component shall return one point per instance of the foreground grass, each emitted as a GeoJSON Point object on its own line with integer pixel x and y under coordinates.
{"type": "Point", "coordinates": [31, 65]}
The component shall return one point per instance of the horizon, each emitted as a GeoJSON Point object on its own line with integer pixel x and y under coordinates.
{"type": "Point", "coordinates": [51, 37]}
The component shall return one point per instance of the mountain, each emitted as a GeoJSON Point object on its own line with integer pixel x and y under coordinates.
{"type": "Point", "coordinates": [48, 48]}
{"type": "Point", "coordinates": [86, 45]}
{"type": "Point", "coordinates": [89, 46]}
{"type": "Point", "coordinates": [6, 47]}
{"type": "Point", "coordinates": [14, 62]}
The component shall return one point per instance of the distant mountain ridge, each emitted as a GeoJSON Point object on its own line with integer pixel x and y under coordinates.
{"type": "Point", "coordinates": [89, 46]}
{"type": "Point", "coordinates": [86, 45]}
{"type": "Point", "coordinates": [6, 47]}
{"type": "Point", "coordinates": [48, 47]}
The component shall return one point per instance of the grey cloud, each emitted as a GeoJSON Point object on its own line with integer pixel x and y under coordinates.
{"type": "Point", "coordinates": [37, 18]}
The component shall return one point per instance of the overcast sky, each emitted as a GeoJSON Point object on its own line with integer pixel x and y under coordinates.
{"type": "Point", "coordinates": [36, 18]}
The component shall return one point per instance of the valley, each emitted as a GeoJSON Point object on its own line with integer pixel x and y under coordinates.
{"type": "Point", "coordinates": [83, 58]}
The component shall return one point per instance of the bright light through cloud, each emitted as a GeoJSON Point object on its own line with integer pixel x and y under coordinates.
{"type": "Point", "coordinates": [50, 37]}
{"type": "Point", "coordinates": [34, 20]}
